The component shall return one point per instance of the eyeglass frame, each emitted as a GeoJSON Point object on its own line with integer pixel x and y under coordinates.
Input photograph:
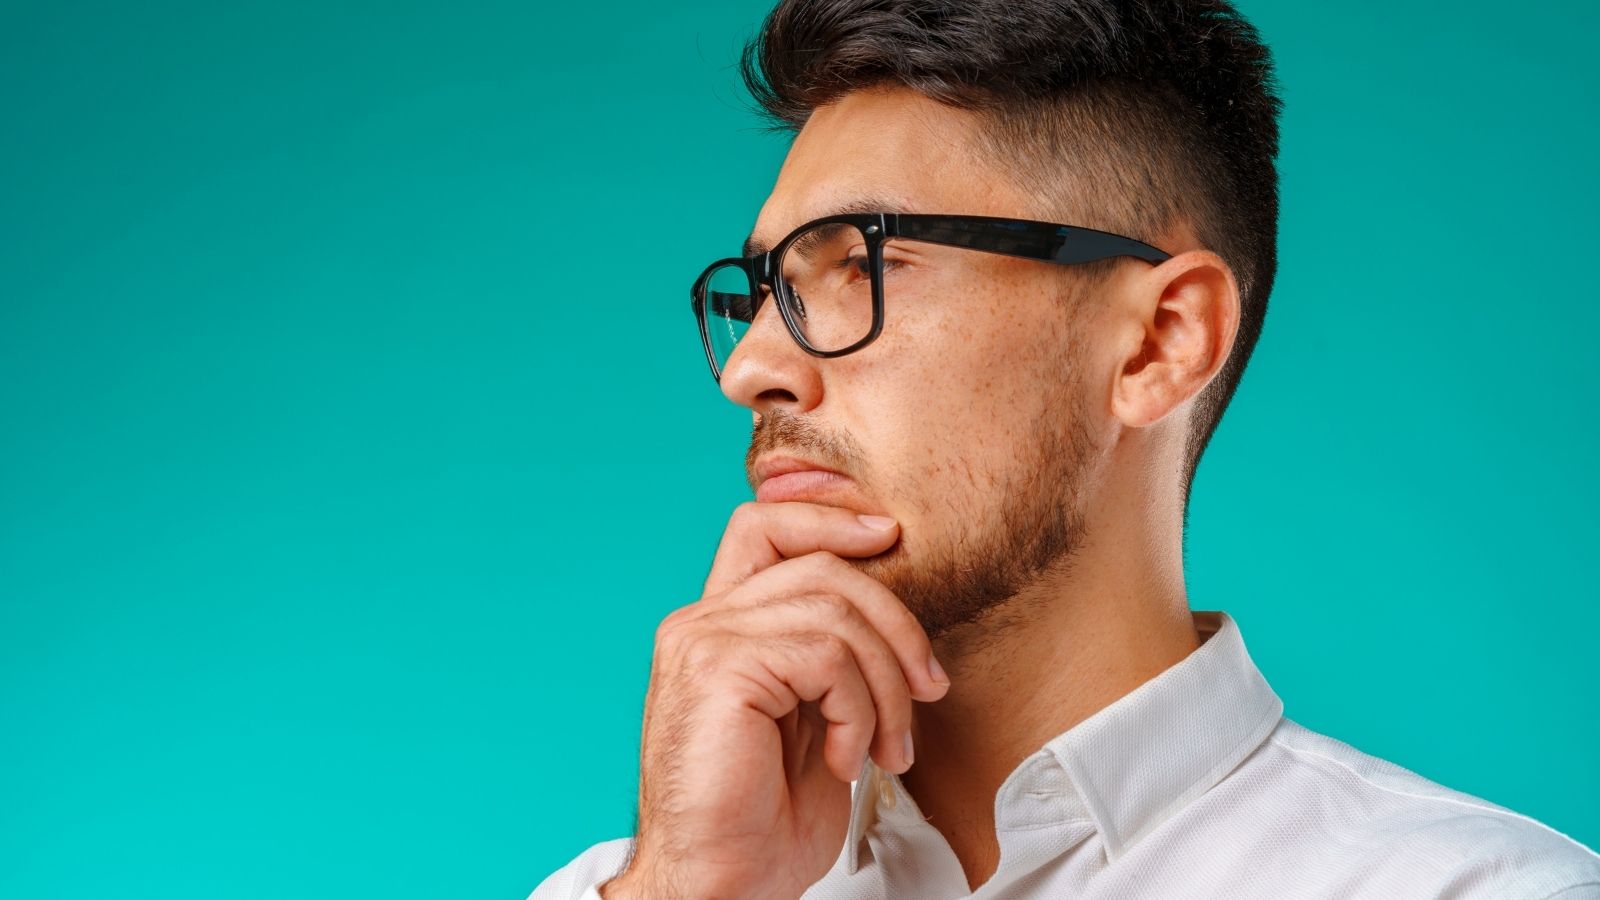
{"type": "Point", "coordinates": [1022, 238]}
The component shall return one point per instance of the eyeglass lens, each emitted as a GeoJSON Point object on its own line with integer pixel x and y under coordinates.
{"type": "Point", "coordinates": [826, 279]}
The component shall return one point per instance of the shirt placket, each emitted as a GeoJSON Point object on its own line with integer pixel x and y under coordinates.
{"type": "Point", "coordinates": [1039, 815]}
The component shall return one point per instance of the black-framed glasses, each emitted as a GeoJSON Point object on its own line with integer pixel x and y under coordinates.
{"type": "Point", "coordinates": [828, 274]}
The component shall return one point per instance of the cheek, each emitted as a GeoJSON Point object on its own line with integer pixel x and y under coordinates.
{"type": "Point", "coordinates": [949, 396]}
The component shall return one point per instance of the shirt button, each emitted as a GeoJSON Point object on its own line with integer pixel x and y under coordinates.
{"type": "Point", "coordinates": [886, 792]}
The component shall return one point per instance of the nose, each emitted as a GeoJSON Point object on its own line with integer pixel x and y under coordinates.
{"type": "Point", "coordinates": [768, 370]}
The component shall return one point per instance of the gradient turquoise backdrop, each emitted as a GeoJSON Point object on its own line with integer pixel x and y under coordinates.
{"type": "Point", "coordinates": [346, 468]}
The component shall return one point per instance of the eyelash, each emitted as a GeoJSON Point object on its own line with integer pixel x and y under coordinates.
{"type": "Point", "coordinates": [889, 265]}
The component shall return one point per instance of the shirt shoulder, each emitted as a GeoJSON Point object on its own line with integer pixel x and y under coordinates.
{"type": "Point", "coordinates": [1468, 846]}
{"type": "Point", "coordinates": [580, 878]}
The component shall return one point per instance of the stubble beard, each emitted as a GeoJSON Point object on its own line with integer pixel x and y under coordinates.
{"type": "Point", "coordinates": [1029, 526]}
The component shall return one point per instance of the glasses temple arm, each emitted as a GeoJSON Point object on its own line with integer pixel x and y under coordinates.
{"type": "Point", "coordinates": [1064, 244]}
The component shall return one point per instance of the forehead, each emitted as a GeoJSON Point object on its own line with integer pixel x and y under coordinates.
{"type": "Point", "coordinates": [888, 149]}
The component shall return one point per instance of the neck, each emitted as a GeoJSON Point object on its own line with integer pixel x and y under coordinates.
{"type": "Point", "coordinates": [1070, 645]}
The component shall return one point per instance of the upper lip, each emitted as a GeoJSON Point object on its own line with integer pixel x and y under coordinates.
{"type": "Point", "coordinates": [783, 464]}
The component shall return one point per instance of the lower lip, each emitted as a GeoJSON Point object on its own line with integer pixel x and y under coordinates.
{"type": "Point", "coordinates": [799, 485]}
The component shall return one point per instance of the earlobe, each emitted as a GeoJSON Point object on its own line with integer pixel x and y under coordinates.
{"type": "Point", "coordinates": [1183, 319]}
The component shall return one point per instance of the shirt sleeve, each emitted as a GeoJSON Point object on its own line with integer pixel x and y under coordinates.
{"type": "Point", "coordinates": [581, 878]}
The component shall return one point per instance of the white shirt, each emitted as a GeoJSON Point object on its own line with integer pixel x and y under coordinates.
{"type": "Point", "coordinates": [1192, 785]}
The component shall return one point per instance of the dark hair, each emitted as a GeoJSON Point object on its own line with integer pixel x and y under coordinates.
{"type": "Point", "coordinates": [1133, 115]}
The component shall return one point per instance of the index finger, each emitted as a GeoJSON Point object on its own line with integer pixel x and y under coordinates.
{"type": "Point", "coordinates": [763, 534]}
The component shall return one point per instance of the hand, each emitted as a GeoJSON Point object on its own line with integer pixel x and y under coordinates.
{"type": "Point", "coordinates": [766, 695]}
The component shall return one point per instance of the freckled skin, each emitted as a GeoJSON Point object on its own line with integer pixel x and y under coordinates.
{"type": "Point", "coordinates": [969, 363]}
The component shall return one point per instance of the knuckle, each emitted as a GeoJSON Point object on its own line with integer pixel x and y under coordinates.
{"type": "Point", "coordinates": [818, 649]}
{"type": "Point", "coordinates": [744, 515]}
{"type": "Point", "coordinates": [699, 652]}
{"type": "Point", "coordinates": [671, 625]}
{"type": "Point", "coordinates": [830, 606]}
{"type": "Point", "coordinates": [667, 625]}
{"type": "Point", "coordinates": [834, 651]}
{"type": "Point", "coordinates": [822, 563]}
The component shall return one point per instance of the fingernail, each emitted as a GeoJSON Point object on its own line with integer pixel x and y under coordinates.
{"type": "Point", "coordinates": [909, 754]}
{"type": "Point", "coordinates": [936, 671]}
{"type": "Point", "coordinates": [877, 523]}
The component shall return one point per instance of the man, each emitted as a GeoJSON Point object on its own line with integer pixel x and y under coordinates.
{"type": "Point", "coordinates": [947, 651]}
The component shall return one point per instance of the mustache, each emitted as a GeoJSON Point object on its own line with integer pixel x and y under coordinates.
{"type": "Point", "coordinates": [782, 431]}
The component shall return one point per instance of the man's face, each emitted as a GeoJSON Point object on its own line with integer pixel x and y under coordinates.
{"type": "Point", "coordinates": [973, 419]}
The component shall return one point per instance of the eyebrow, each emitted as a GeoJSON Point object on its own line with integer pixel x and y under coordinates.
{"type": "Point", "coordinates": [754, 246]}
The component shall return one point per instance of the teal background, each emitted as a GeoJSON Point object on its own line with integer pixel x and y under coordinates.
{"type": "Point", "coordinates": [356, 434]}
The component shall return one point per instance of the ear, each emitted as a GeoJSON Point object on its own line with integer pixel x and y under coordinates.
{"type": "Point", "coordinates": [1180, 318]}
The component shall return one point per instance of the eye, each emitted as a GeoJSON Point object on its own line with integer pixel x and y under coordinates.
{"type": "Point", "coordinates": [859, 265]}
{"type": "Point", "coordinates": [862, 265]}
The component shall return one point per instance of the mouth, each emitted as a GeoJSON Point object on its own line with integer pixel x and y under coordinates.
{"type": "Point", "coordinates": [784, 478]}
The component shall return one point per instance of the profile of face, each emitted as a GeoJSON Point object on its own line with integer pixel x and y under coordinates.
{"type": "Point", "coordinates": [978, 419]}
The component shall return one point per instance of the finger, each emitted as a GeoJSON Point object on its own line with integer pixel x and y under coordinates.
{"type": "Point", "coordinates": [762, 534]}
{"type": "Point", "coordinates": [837, 618]}
{"type": "Point", "coordinates": [821, 667]}
{"type": "Point", "coordinates": [778, 672]}
{"type": "Point", "coordinates": [824, 573]}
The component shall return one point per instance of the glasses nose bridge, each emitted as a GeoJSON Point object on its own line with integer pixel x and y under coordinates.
{"type": "Point", "coordinates": [762, 271]}
{"type": "Point", "coordinates": [761, 268]}
{"type": "Point", "coordinates": [767, 275]}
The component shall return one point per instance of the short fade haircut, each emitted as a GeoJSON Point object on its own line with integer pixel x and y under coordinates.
{"type": "Point", "coordinates": [1134, 115]}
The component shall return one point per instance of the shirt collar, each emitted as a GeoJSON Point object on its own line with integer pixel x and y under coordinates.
{"type": "Point", "coordinates": [1136, 762]}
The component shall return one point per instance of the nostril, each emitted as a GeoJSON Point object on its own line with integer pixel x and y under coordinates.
{"type": "Point", "coordinates": [773, 396]}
